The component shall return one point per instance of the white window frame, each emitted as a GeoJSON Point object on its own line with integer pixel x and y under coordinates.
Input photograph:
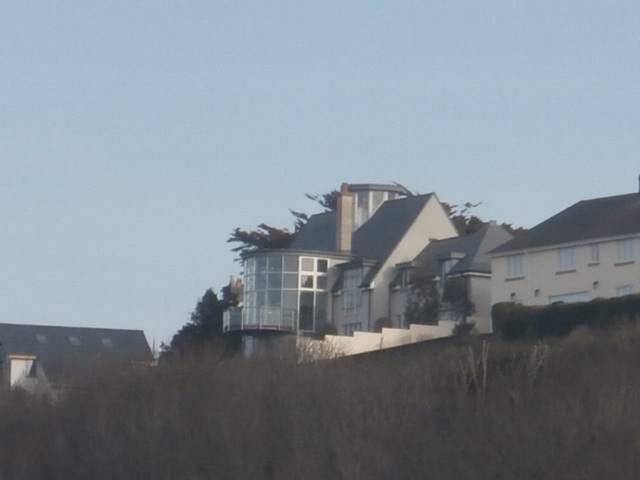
{"type": "Point", "coordinates": [595, 253]}
{"type": "Point", "coordinates": [566, 259]}
{"type": "Point", "coordinates": [625, 250]}
{"type": "Point", "coordinates": [22, 367]}
{"type": "Point", "coordinates": [623, 290]}
{"type": "Point", "coordinates": [351, 293]}
{"type": "Point", "coordinates": [570, 298]}
{"type": "Point", "coordinates": [349, 328]}
{"type": "Point", "coordinates": [515, 266]}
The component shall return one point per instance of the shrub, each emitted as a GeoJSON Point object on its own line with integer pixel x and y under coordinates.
{"type": "Point", "coordinates": [515, 321]}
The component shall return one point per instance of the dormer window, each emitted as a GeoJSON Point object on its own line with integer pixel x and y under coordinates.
{"type": "Point", "coordinates": [448, 264]}
{"type": "Point", "coordinates": [406, 277]}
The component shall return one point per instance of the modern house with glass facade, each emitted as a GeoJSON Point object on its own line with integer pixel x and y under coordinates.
{"type": "Point", "coordinates": [588, 250]}
{"type": "Point", "coordinates": [340, 265]}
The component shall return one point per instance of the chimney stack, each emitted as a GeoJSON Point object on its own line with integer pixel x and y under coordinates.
{"type": "Point", "coordinates": [344, 219]}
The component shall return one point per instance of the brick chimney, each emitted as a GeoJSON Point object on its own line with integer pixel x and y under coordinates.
{"type": "Point", "coordinates": [344, 219]}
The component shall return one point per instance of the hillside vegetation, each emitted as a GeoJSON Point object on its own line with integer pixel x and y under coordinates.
{"type": "Point", "coordinates": [564, 409]}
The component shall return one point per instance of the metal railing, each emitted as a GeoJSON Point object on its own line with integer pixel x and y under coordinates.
{"type": "Point", "coordinates": [260, 318]}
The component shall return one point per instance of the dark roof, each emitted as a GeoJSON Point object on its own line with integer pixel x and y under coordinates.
{"type": "Point", "coordinates": [378, 237]}
{"type": "Point", "coordinates": [58, 355]}
{"type": "Point", "coordinates": [583, 221]}
{"type": "Point", "coordinates": [374, 241]}
{"type": "Point", "coordinates": [472, 248]}
{"type": "Point", "coordinates": [318, 234]}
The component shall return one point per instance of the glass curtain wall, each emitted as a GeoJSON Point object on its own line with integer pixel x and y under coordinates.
{"type": "Point", "coordinates": [285, 291]}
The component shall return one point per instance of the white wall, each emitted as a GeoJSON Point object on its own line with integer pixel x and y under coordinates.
{"type": "Point", "coordinates": [431, 223]}
{"type": "Point", "coordinates": [480, 295]}
{"type": "Point", "coordinates": [339, 345]}
{"type": "Point", "coordinates": [542, 279]}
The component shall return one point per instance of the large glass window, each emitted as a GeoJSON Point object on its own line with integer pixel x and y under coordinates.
{"type": "Point", "coordinates": [313, 295]}
{"type": "Point", "coordinates": [306, 311]}
{"type": "Point", "coordinates": [277, 294]}
{"type": "Point", "coordinates": [351, 294]}
{"type": "Point", "coordinates": [362, 208]}
{"type": "Point", "coordinates": [320, 310]}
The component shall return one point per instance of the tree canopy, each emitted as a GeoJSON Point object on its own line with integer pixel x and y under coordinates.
{"type": "Point", "coordinates": [466, 223]}
{"type": "Point", "coordinates": [204, 329]}
{"type": "Point", "coordinates": [269, 237]}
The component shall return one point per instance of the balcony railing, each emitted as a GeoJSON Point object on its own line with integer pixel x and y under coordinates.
{"type": "Point", "coordinates": [260, 318]}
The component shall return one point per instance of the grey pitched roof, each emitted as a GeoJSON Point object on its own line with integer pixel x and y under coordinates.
{"type": "Point", "coordinates": [58, 356]}
{"type": "Point", "coordinates": [473, 248]}
{"type": "Point", "coordinates": [378, 237]}
{"type": "Point", "coordinates": [583, 221]}
{"type": "Point", "coordinates": [374, 241]}
{"type": "Point", "coordinates": [318, 234]}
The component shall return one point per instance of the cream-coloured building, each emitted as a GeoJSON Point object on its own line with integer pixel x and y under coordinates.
{"type": "Point", "coordinates": [587, 251]}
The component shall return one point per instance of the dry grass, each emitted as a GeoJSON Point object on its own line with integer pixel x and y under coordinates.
{"type": "Point", "coordinates": [562, 410]}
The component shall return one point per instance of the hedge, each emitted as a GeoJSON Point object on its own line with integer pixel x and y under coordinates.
{"type": "Point", "coordinates": [514, 321]}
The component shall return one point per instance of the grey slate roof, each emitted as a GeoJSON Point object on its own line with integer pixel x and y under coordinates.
{"type": "Point", "coordinates": [58, 356]}
{"type": "Point", "coordinates": [473, 247]}
{"type": "Point", "coordinates": [318, 234]}
{"type": "Point", "coordinates": [583, 221]}
{"type": "Point", "coordinates": [379, 236]}
{"type": "Point", "coordinates": [374, 241]}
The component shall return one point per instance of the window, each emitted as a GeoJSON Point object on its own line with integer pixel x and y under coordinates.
{"type": "Point", "coordinates": [283, 290]}
{"type": "Point", "coordinates": [566, 259]}
{"type": "Point", "coordinates": [106, 342]}
{"type": "Point", "coordinates": [447, 265]}
{"type": "Point", "coordinates": [624, 290]}
{"type": "Point", "coordinates": [306, 281]}
{"type": "Point", "coordinates": [349, 328]}
{"type": "Point", "coordinates": [625, 250]}
{"type": "Point", "coordinates": [362, 208]}
{"type": "Point", "coordinates": [22, 366]}
{"type": "Point", "coordinates": [42, 339]}
{"type": "Point", "coordinates": [306, 265]}
{"type": "Point", "coordinates": [406, 277]}
{"type": "Point", "coordinates": [73, 340]}
{"type": "Point", "coordinates": [595, 253]}
{"type": "Point", "coordinates": [352, 296]}
{"type": "Point", "coordinates": [515, 266]}
{"type": "Point", "coordinates": [570, 298]}
{"type": "Point", "coordinates": [305, 317]}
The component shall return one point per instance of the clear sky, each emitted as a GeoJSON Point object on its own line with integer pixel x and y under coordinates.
{"type": "Point", "coordinates": [136, 135]}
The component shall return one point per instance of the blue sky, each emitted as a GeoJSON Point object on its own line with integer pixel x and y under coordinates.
{"type": "Point", "coordinates": [135, 136]}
